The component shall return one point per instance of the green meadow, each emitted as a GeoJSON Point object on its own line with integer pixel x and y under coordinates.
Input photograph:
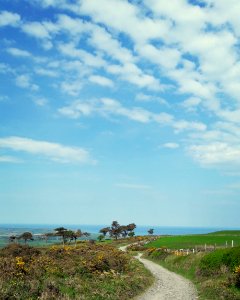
{"type": "Point", "coordinates": [217, 239]}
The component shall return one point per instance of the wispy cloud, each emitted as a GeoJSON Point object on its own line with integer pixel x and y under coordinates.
{"type": "Point", "coordinates": [100, 80]}
{"type": "Point", "coordinates": [170, 145]}
{"type": "Point", "coordinates": [9, 159]}
{"type": "Point", "coordinates": [111, 107]}
{"type": "Point", "coordinates": [18, 52]}
{"type": "Point", "coordinates": [54, 151]}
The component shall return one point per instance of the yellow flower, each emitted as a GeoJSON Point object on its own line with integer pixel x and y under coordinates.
{"type": "Point", "coordinates": [19, 262]}
{"type": "Point", "coordinates": [237, 270]}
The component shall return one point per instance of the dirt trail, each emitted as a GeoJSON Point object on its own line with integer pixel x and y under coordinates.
{"type": "Point", "coordinates": [167, 285]}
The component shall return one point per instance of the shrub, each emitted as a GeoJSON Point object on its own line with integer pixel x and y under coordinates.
{"type": "Point", "coordinates": [66, 272]}
{"type": "Point", "coordinates": [213, 263]}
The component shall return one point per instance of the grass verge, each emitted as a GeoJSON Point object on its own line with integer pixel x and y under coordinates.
{"type": "Point", "coordinates": [216, 274]}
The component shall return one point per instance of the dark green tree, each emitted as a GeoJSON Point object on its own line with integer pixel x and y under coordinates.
{"type": "Point", "coordinates": [12, 239]}
{"type": "Point", "coordinates": [61, 231]}
{"type": "Point", "coordinates": [100, 237]}
{"type": "Point", "coordinates": [150, 231]}
{"type": "Point", "coordinates": [104, 231]}
{"type": "Point", "coordinates": [115, 230]}
{"type": "Point", "coordinates": [26, 236]}
{"type": "Point", "coordinates": [130, 228]}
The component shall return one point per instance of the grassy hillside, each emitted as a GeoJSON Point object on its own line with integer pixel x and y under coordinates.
{"type": "Point", "coordinates": [90, 271]}
{"type": "Point", "coordinates": [226, 233]}
{"type": "Point", "coordinates": [191, 241]}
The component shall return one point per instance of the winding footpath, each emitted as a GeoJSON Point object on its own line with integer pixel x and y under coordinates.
{"type": "Point", "coordinates": [167, 285]}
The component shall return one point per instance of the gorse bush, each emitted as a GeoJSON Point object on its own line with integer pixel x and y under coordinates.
{"type": "Point", "coordinates": [85, 272]}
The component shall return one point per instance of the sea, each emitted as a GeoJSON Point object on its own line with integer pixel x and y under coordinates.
{"type": "Point", "coordinates": [6, 230]}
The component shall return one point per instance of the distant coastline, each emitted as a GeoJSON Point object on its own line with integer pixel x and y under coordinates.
{"type": "Point", "coordinates": [8, 229]}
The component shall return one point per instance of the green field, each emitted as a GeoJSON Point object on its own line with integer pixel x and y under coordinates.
{"type": "Point", "coordinates": [218, 238]}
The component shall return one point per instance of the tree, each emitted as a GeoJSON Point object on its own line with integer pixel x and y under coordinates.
{"type": "Point", "coordinates": [104, 231]}
{"type": "Point", "coordinates": [47, 235]}
{"type": "Point", "coordinates": [100, 237]}
{"type": "Point", "coordinates": [12, 239]}
{"type": "Point", "coordinates": [115, 230]}
{"type": "Point", "coordinates": [131, 234]}
{"type": "Point", "coordinates": [26, 236]}
{"type": "Point", "coordinates": [150, 231]}
{"type": "Point", "coordinates": [124, 231]}
{"type": "Point", "coordinates": [61, 231]}
{"type": "Point", "coordinates": [131, 227]}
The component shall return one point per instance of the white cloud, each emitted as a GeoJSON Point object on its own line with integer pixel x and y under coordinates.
{"type": "Point", "coordinates": [71, 88]}
{"type": "Point", "coordinates": [18, 52]}
{"type": "Point", "coordinates": [53, 151]}
{"type": "Point", "coordinates": [216, 153]}
{"type": "Point", "coordinates": [150, 98]}
{"type": "Point", "coordinates": [46, 72]}
{"type": "Point", "coordinates": [102, 40]}
{"type": "Point", "coordinates": [40, 101]}
{"type": "Point", "coordinates": [191, 103]}
{"type": "Point", "coordinates": [36, 30]}
{"type": "Point", "coordinates": [9, 19]}
{"type": "Point", "coordinates": [133, 74]}
{"type": "Point", "coordinates": [9, 159]}
{"type": "Point", "coordinates": [187, 125]}
{"type": "Point", "coordinates": [41, 31]}
{"type": "Point", "coordinates": [101, 80]}
{"type": "Point", "coordinates": [171, 145]}
{"type": "Point", "coordinates": [163, 56]}
{"type": "Point", "coordinates": [86, 57]}
{"type": "Point", "coordinates": [108, 107]}
{"type": "Point", "coordinates": [24, 81]}
{"type": "Point", "coordinates": [4, 68]}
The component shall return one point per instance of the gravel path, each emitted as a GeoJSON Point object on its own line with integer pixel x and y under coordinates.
{"type": "Point", "coordinates": [167, 285]}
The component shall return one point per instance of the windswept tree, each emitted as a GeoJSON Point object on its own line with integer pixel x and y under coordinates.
{"type": "Point", "coordinates": [150, 231]}
{"type": "Point", "coordinates": [47, 235]}
{"type": "Point", "coordinates": [26, 236]}
{"type": "Point", "coordinates": [115, 230]}
{"type": "Point", "coordinates": [130, 228]}
{"type": "Point", "coordinates": [104, 231]}
{"type": "Point", "coordinates": [124, 231]}
{"type": "Point", "coordinates": [61, 231]}
{"type": "Point", "coordinates": [74, 235]}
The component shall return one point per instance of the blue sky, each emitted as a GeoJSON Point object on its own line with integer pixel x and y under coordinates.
{"type": "Point", "coordinates": [125, 110]}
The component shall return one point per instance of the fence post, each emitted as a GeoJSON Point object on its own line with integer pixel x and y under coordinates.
{"type": "Point", "coordinates": [232, 243]}
{"type": "Point", "coordinates": [226, 244]}
{"type": "Point", "coordinates": [205, 247]}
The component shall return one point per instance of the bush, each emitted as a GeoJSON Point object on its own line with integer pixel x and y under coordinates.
{"type": "Point", "coordinates": [213, 263]}
{"type": "Point", "coordinates": [65, 273]}
{"type": "Point", "coordinates": [19, 250]}
{"type": "Point", "coordinates": [157, 253]}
